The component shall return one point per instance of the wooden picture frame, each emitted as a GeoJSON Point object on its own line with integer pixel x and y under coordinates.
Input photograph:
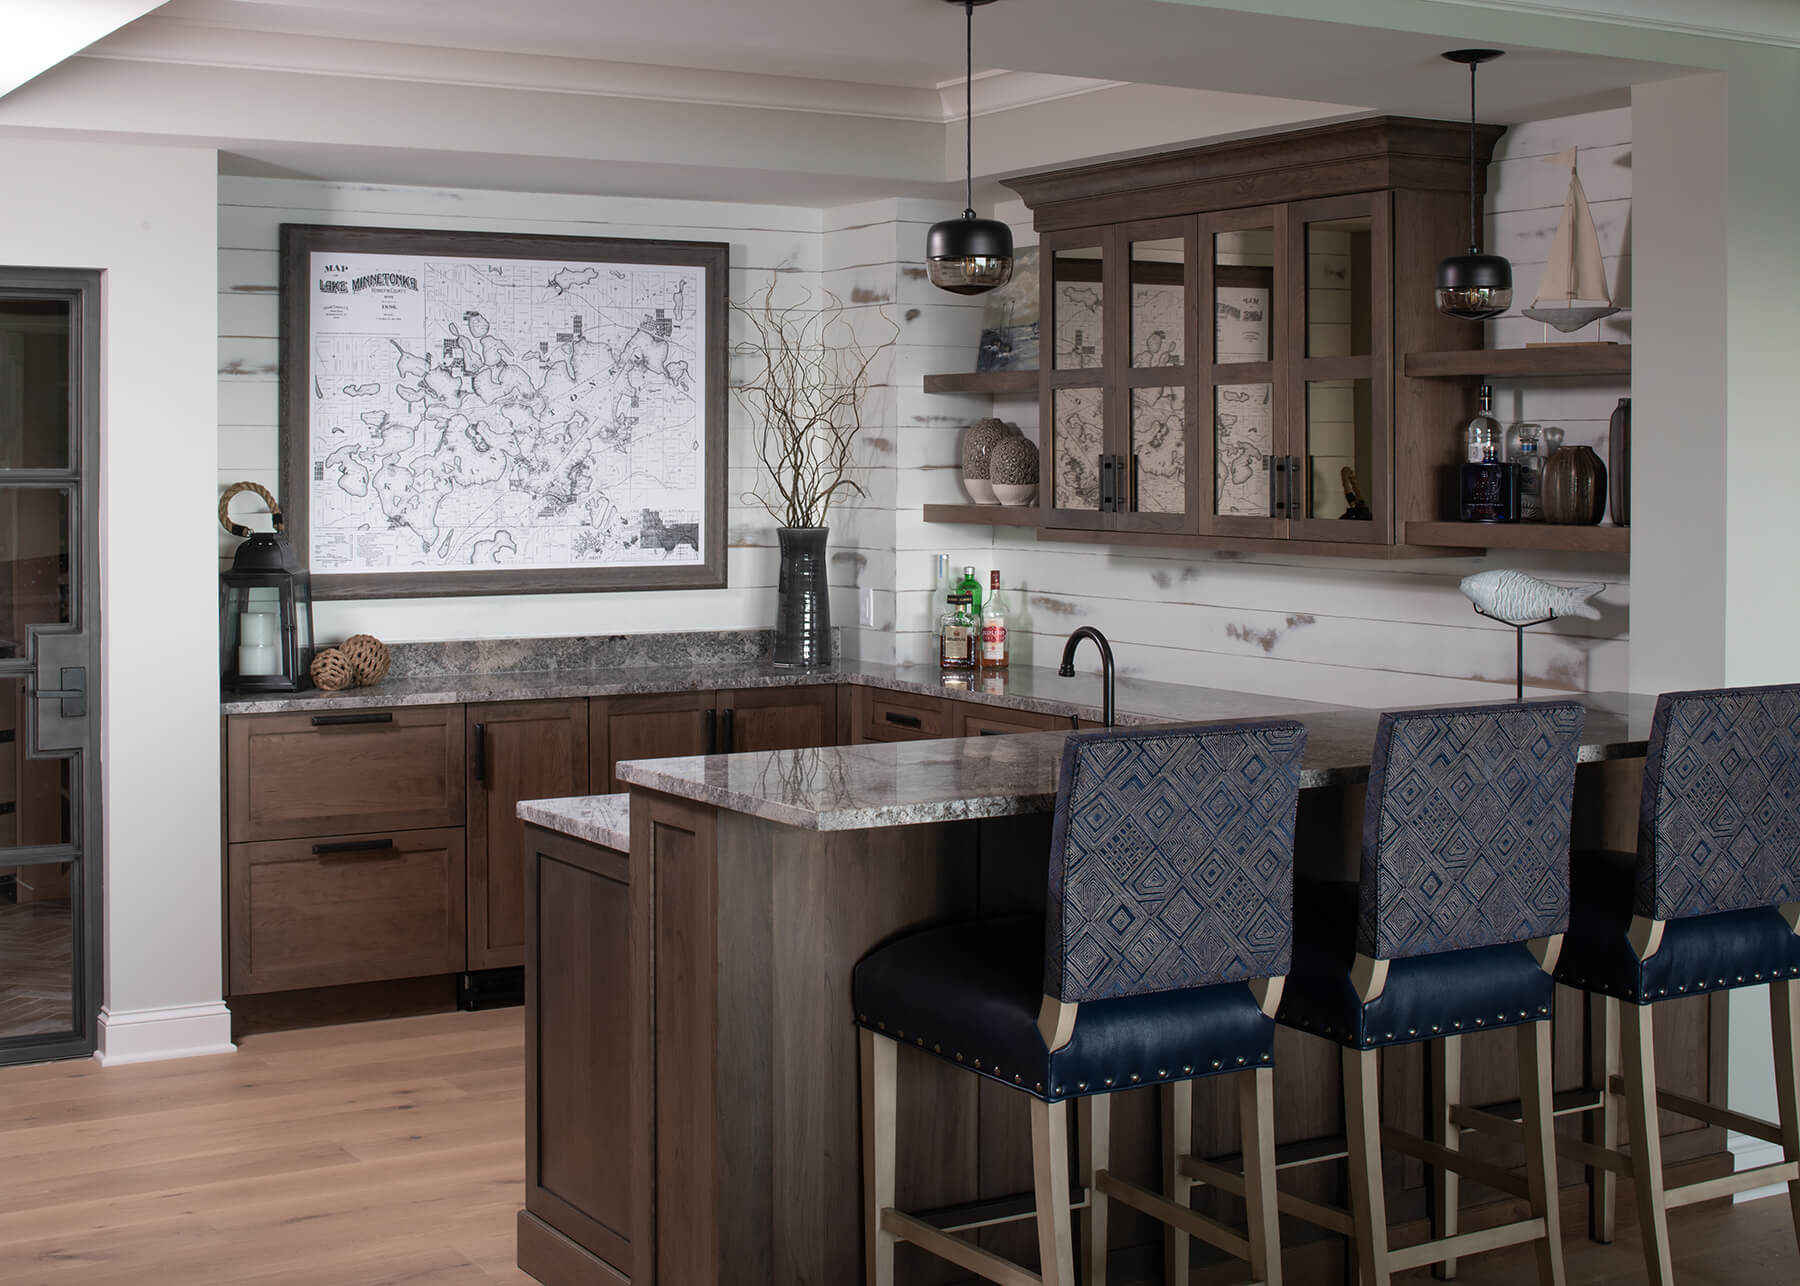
{"type": "Point", "coordinates": [507, 453]}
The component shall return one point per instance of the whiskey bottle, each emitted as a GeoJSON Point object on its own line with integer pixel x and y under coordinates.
{"type": "Point", "coordinates": [957, 632]}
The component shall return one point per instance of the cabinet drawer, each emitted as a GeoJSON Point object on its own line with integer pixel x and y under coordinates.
{"type": "Point", "coordinates": [290, 775]}
{"type": "Point", "coordinates": [902, 716]}
{"type": "Point", "coordinates": [989, 721]}
{"type": "Point", "coordinates": [345, 908]}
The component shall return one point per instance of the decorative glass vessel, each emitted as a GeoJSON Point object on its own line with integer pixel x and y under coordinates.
{"type": "Point", "coordinates": [1574, 487]}
{"type": "Point", "coordinates": [802, 599]}
{"type": "Point", "coordinates": [1523, 448]}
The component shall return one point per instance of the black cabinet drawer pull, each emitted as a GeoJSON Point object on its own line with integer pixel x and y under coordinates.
{"type": "Point", "coordinates": [995, 732]}
{"type": "Point", "coordinates": [339, 720]}
{"type": "Point", "coordinates": [481, 755]}
{"type": "Point", "coordinates": [710, 721]}
{"type": "Point", "coordinates": [353, 846]}
{"type": "Point", "coordinates": [728, 731]}
{"type": "Point", "coordinates": [903, 720]}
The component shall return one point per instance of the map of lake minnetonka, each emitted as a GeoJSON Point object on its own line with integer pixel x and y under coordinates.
{"type": "Point", "coordinates": [467, 414]}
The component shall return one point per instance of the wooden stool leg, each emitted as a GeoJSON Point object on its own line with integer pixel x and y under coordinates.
{"type": "Point", "coordinates": [1178, 1141]}
{"type": "Point", "coordinates": [880, 1128]}
{"type": "Point", "coordinates": [1538, 1112]}
{"type": "Point", "coordinates": [1368, 1191]}
{"type": "Point", "coordinates": [1446, 1188]}
{"type": "Point", "coordinates": [1256, 1125]}
{"type": "Point", "coordinates": [1603, 1125]}
{"type": "Point", "coordinates": [1636, 1037]}
{"type": "Point", "coordinates": [1094, 1125]}
{"type": "Point", "coordinates": [1050, 1164]}
{"type": "Point", "coordinates": [1784, 1014]}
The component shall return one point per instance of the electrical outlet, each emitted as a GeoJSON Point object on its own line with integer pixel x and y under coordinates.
{"type": "Point", "coordinates": [865, 609]}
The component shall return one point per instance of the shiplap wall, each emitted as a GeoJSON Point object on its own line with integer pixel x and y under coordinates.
{"type": "Point", "coordinates": [1343, 630]}
{"type": "Point", "coordinates": [767, 242]}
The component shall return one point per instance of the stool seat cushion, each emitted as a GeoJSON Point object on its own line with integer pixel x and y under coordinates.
{"type": "Point", "coordinates": [970, 993]}
{"type": "Point", "coordinates": [1699, 953]}
{"type": "Point", "coordinates": [1427, 997]}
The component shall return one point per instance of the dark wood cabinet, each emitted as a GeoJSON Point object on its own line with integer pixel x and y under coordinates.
{"type": "Point", "coordinates": [776, 719]}
{"type": "Point", "coordinates": [587, 1074]}
{"type": "Point", "coordinates": [899, 716]}
{"type": "Point", "coordinates": [344, 908]}
{"type": "Point", "coordinates": [352, 771]}
{"type": "Point", "coordinates": [621, 728]}
{"type": "Point", "coordinates": [975, 720]}
{"type": "Point", "coordinates": [517, 750]}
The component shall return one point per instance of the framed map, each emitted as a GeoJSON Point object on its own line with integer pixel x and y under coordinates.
{"type": "Point", "coordinates": [484, 413]}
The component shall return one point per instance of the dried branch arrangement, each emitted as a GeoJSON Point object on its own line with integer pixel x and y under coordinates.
{"type": "Point", "coordinates": [803, 375]}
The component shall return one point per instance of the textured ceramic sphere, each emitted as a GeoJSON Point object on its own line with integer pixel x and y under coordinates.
{"type": "Point", "coordinates": [1014, 462]}
{"type": "Point", "coordinates": [1574, 487]}
{"type": "Point", "coordinates": [979, 443]}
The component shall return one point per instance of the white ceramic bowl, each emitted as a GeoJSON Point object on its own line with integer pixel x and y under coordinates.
{"type": "Point", "coordinates": [1015, 494]}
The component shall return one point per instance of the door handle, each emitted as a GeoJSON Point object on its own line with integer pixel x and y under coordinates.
{"type": "Point", "coordinates": [710, 721]}
{"type": "Point", "coordinates": [1278, 485]}
{"type": "Point", "coordinates": [728, 731]}
{"type": "Point", "coordinates": [346, 847]}
{"type": "Point", "coordinates": [72, 694]}
{"type": "Point", "coordinates": [340, 720]}
{"type": "Point", "coordinates": [903, 720]}
{"type": "Point", "coordinates": [481, 755]}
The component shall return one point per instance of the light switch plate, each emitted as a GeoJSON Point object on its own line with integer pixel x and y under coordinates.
{"type": "Point", "coordinates": [865, 607]}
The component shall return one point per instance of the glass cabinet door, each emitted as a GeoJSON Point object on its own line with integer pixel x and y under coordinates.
{"type": "Point", "coordinates": [1339, 322]}
{"type": "Point", "coordinates": [1158, 451]}
{"type": "Point", "coordinates": [1242, 274]}
{"type": "Point", "coordinates": [1076, 465]}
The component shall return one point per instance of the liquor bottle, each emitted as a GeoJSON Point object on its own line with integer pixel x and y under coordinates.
{"type": "Point", "coordinates": [941, 586]}
{"type": "Point", "coordinates": [994, 644]}
{"type": "Point", "coordinates": [957, 649]}
{"type": "Point", "coordinates": [1523, 443]}
{"type": "Point", "coordinates": [972, 588]}
{"type": "Point", "coordinates": [1490, 486]}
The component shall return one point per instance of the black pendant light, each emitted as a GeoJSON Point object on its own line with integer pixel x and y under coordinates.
{"type": "Point", "coordinates": [969, 256]}
{"type": "Point", "coordinates": [1474, 286]}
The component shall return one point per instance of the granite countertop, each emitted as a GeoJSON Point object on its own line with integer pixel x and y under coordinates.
{"type": "Point", "coordinates": [1022, 688]}
{"type": "Point", "coordinates": [599, 819]}
{"type": "Point", "coordinates": [864, 787]}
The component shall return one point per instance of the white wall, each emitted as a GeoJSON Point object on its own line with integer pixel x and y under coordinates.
{"type": "Point", "coordinates": [1344, 630]}
{"type": "Point", "coordinates": [144, 215]}
{"type": "Point", "coordinates": [764, 240]}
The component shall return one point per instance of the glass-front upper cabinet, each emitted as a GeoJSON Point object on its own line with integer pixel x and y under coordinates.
{"type": "Point", "coordinates": [1339, 324]}
{"type": "Point", "coordinates": [1117, 395]}
{"type": "Point", "coordinates": [1240, 300]}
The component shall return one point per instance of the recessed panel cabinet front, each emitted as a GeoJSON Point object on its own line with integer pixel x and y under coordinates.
{"type": "Point", "coordinates": [346, 771]}
{"type": "Point", "coordinates": [345, 908]}
{"type": "Point", "coordinates": [517, 750]}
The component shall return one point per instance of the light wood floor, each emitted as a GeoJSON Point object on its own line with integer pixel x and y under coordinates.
{"type": "Point", "coordinates": [392, 1153]}
{"type": "Point", "coordinates": [386, 1152]}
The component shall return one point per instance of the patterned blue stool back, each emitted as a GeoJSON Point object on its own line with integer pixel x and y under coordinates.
{"type": "Point", "coordinates": [1719, 826]}
{"type": "Point", "coordinates": [1466, 828]}
{"type": "Point", "coordinates": [1172, 861]}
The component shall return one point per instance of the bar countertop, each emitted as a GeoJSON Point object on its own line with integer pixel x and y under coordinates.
{"type": "Point", "coordinates": [871, 786]}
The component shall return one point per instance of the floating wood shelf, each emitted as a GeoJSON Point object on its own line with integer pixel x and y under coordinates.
{"type": "Point", "coordinates": [985, 515]}
{"type": "Point", "coordinates": [1553, 360]}
{"type": "Point", "coordinates": [1025, 382]}
{"type": "Point", "coordinates": [1522, 535]}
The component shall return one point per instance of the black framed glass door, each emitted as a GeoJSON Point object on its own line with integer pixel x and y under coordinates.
{"type": "Point", "coordinates": [50, 907]}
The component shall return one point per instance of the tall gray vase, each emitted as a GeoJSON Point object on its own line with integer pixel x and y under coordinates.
{"type": "Point", "coordinates": [803, 599]}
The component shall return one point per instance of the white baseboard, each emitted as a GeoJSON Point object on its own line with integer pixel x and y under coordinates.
{"type": "Point", "coordinates": [151, 1035]}
{"type": "Point", "coordinates": [1748, 1153]}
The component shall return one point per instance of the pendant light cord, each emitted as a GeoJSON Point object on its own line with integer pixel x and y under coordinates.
{"type": "Point", "coordinates": [969, 109]}
{"type": "Point", "coordinates": [1474, 242]}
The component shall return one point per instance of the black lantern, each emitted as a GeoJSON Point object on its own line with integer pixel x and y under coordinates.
{"type": "Point", "coordinates": [970, 255]}
{"type": "Point", "coordinates": [265, 609]}
{"type": "Point", "coordinates": [1474, 286]}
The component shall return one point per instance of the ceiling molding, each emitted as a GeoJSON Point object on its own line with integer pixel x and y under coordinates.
{"type": "Point", "coordinates": [1740, 20]}
{"type": "Point", "coordinates": [42, 33]}
{"type": "Point", "coordinates": [1005, 91]}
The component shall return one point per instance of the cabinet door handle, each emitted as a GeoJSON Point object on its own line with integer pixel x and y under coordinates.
{"type": "Point", "coordinates": [346, 847]}
{"type": "Point", "coordinates": [728, 731]}
{"type": "Point", "coordinates": [339, 720]}
{"type": "Point", "coordinates": [710, 720]}
{"type": "Point", "coordinates": [903, 720]}
{"type": "Point", "coordinates": [994, 732]}
{"type": "Point", "coordinates": [481, 755]}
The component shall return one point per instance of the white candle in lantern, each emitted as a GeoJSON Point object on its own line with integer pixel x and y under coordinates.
{"type": "Point", "coordinates": [257, 629]}
{"type": "Point", "coordinates": [259, 659]}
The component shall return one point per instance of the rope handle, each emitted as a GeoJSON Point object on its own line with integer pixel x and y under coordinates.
{"type": "Point", "coordinates": [237, 489]}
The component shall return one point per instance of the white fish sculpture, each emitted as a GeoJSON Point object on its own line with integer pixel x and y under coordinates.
{"type": "Point", "coordinates": [1517, 599]}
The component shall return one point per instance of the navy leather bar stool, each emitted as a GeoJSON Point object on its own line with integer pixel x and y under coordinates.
{"type": "Point", "coordinates": [1710, 901]}
{"type": "Point", "coordinates": [1453, 930]}
{"type": "Point", "coordinates": [1168, 928]}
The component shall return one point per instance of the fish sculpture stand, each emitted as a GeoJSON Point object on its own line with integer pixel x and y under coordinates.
{"type": "Point", "coordinates": [1522, 601]}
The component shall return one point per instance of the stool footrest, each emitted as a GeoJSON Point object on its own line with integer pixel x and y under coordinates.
{"type": "Point", "coordinates": [1466, 1243]}
{"type": "Point", "coordinates": [964, 1254]}
{"type": "Point", "coordinates": [1458, 1162]}
{"type": "Point", "coordinates": [1330, 1218]}
{"type": "Point", "coordinates": [1727, 1184]}
{"type": "Point", "coordinates": [991, 1211]}
{"type": "Point", "coordinates": [1698, 1109]}
{"type": "Point", "coordinates": [1567, 1103]}
{"type": "Point", "coordinates": [1159, 1207]}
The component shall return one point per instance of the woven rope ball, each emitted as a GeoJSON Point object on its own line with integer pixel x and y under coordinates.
{"type": "Point", "coordinates": [368, 658]}
{"type": "Point", "coordinates": [331, 672]}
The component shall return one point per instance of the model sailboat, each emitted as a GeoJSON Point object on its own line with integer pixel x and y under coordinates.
{"type": "Point", "coordinates": [1573, 292]}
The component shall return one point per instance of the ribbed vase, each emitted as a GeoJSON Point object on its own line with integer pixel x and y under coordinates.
{"type": "Point", "coordinates": [803, 599]}
{"type": "Point", "coordinates": [1574, 486]}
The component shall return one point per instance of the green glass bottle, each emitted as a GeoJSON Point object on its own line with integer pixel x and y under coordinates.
{"type": "Point", "coordinates": [972, 588]}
